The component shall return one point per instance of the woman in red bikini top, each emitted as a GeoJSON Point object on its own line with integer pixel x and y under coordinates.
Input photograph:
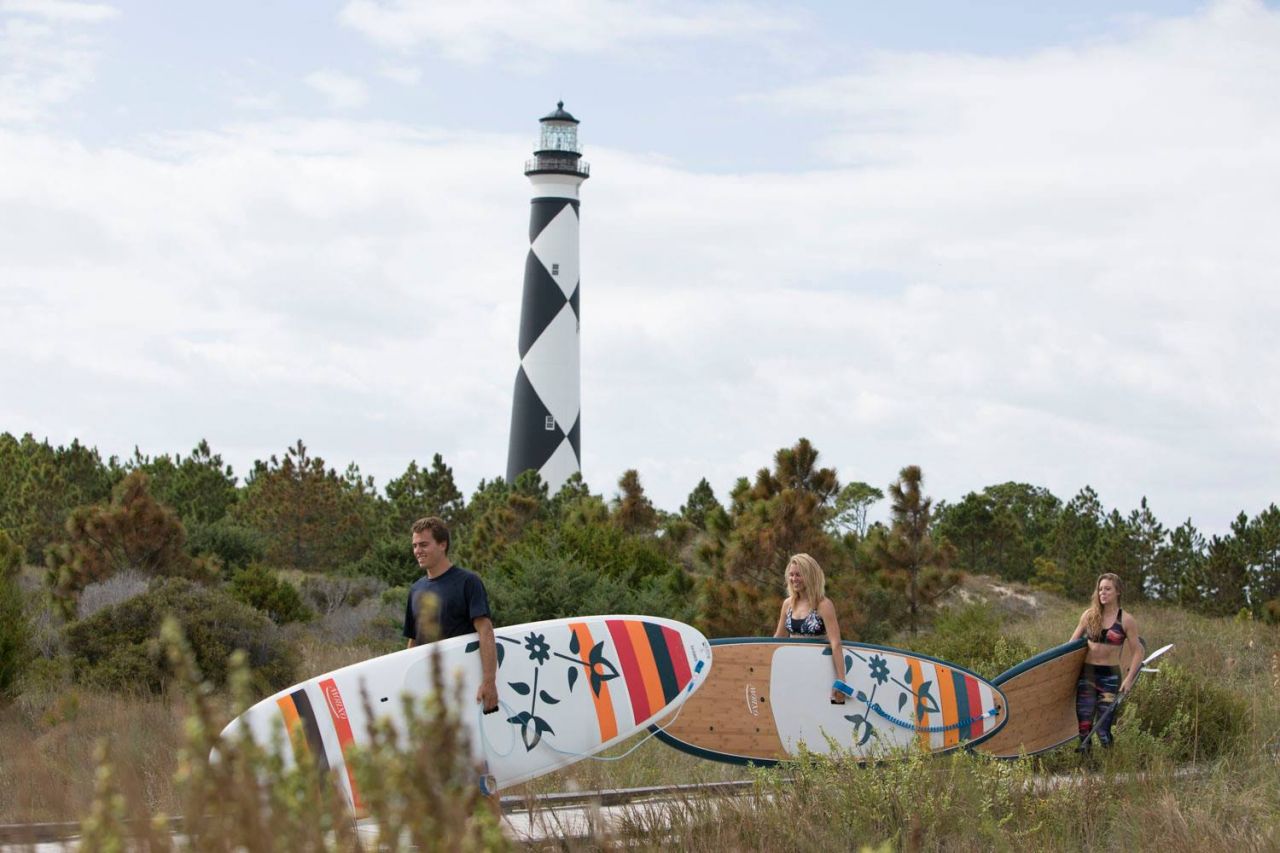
{"type": "Point", "coordinates": [1109, 629]}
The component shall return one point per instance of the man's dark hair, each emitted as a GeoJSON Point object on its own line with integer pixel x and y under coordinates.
{"type": "Point", "coordinates": [439, 530]}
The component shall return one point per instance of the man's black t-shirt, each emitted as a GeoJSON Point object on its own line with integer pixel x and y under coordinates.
{"type": "Point", "coordinates": [460, 598]}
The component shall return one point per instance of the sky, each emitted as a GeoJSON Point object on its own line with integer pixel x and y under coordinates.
{"type": "Point", "coordinates": [998, 240]}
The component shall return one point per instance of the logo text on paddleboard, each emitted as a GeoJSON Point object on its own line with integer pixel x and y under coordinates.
{"type": "Point", "coordinates": [334, 698]}
{"type": "Point", "coordinates": [753, 701]}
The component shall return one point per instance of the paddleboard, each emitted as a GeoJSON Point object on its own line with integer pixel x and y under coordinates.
{"type": "Point", "coordinates": [767, 696]}
{"type": "Point", "coordinates": [1041, 692]}
{"type": "Point", "coordinates": [567, 688]}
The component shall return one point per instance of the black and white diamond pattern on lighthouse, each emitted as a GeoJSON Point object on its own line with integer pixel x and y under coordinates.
{"type": "Point", "coordinates": [562, 465]}
{"type": "Point", "coordinates": [556, 246]}
{"type": "Point", "coordinates": [543, 301]}
{"type": "Point", "coordinates": [552, 367]}
{"type": "Point", "coordinates": [532, 443]}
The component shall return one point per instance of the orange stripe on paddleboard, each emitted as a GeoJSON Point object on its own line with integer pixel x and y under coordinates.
{"type": "Point", "coordinates": [917, 678]}
{"type": "Point", "coordinates": [605, 717]}
{"type": "Point", "coordinates": [292, 722]}
{"type": "Point", "coordinates": [648, 666]}
{"type": "Point", "coordinates": [341, 725]}
{"type": "Point", "coordinates": [947, 699]}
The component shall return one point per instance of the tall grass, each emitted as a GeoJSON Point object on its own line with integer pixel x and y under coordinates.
{"type": "Point", "coordinates": [233, 794]}
{"type": "Point", "coordinates": [1196, 766]}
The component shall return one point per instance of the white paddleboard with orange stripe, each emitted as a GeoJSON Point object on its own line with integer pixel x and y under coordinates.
{"type": "Point", "coordinates": [567, 688]}
{"type": "Point", "coordinates": [768, 696]}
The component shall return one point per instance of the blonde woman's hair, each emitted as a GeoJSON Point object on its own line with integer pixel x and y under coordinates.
{"type": "Point", "coordinates": [815, 583]}
{"type": "Point", "coordinates": [1093, 616]}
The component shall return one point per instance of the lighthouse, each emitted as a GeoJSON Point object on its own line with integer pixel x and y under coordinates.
{"type": "Point", "coordinates": [546, 416]}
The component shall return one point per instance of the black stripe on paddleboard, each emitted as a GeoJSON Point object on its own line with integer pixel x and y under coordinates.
{"type": "Point", "coordinates": [662, 657]}
{"type": "Point", "coordinates": [960, 685]}
{"type": "Point", "coordinates": [311, 727]}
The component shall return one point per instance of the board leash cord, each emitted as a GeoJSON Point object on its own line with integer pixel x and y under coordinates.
{"type": "Point", "coordinates": [959, 724]}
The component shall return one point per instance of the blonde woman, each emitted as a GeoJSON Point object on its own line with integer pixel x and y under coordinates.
{"type": "Point", "coordinates": [1113, 638]}
{"type": "Point", "coordinates": [807, 612]}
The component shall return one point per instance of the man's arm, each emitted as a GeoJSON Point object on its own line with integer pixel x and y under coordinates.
{"type": "Point", "coordinates": [487, 695]}
{"type": "Point", "coordinates": [410, 621]}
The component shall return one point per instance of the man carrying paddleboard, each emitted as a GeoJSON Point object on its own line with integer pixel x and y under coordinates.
{"type": "Point", "coordinates": [461, 605]}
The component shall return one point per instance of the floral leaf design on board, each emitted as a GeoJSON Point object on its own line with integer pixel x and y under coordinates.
{"type": "Point", "coordinates": [599, 670]}
{"type": "Point", "coordinates": [525, 719]}
{"type": "Point", "coordinates": [539, 650]}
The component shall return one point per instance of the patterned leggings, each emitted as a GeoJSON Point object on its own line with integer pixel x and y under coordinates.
{"type": "Point", "coordinates": [1095, 693]}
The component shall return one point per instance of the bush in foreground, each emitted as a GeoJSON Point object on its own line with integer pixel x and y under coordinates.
{"type": "Point", "coordinates": [251, 797]}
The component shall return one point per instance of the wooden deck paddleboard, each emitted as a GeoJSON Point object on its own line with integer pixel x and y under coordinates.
{"type": "Point", "coordinates": [765, 697]}
{"type": "Point", "coordinates": [1041, 692]}
{"type": "Point", "coordinates": [567, 688]}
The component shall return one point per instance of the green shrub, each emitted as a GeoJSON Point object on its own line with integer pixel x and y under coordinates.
{"type": "Point", "coordinates": [973, 637]}
{"type": "Point", "coordinates": [394, 595]}
{"type": "Point", "coordinates": [542, 579]}
{"type": "Point", "coordinates": [235, 545]}
{"type": "Point", "coordinates": [15, 629]}
{"type": "Point", "coordinates": [258, 587]}
{"type": "Point", "coordinates": [1194, 717]}
{"type": "Point", "coordinates": [117, 647]}
{"type": "Point", "coordinates": [390, 560]}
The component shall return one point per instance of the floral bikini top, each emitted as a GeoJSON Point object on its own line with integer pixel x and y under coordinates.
{"type": "Point", "coordinates": [809, 626]}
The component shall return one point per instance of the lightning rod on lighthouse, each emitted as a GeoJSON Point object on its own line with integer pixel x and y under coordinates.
{"type": "Point", "coordinates": [546, 416]}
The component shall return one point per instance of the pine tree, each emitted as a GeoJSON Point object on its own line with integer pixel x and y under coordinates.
{"type": "Point", "coordinates": [1076, 542]}
{"type": "Point", "coordinates": [15, 629]}
{"type": "Point", "coordinates": [133, 531]}
{"type": "Point", "coordinates": [849, 515]}
{"type": "Point", "coordinates": [42, 484]}
{"type": "Point", "coordinates": [784, 512]}
{"type": "Point", "coordinates": [310, 517]}
{"type": "Point", "coordinates": [419, 492]}
{"type": "Point", "coordinates": [701, 502]}
{"type": "Point", "coordinates": [633, 512]}
{"type": "Point", "coordinates": [909, 550]}
{"type": "Point", "coordinates": [199, 487]}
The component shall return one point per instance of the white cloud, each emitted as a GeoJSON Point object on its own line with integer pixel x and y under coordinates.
{"type": "Point", "coordinates": [61, 10]}
{"type": "Point", "coordinates": [258, 101]}
{"type": "Point", "coordinates": [342, 91]}
{"type": "Point", "coordinates": [46, 55]}
{"type": "Point", "coordinates": [515, 30]}
{"type": "Point", "coordinates": [1055, 268]}
{"type": "Point", "coordinates": [405, 75]}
